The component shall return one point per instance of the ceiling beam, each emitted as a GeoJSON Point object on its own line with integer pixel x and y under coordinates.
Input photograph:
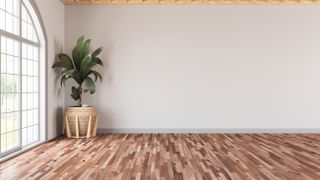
{"type": "Point", "coordinates": [79, 2]}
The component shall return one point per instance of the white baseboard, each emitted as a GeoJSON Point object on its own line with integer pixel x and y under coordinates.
{"type": "Point", "coordinates": [203, 131]}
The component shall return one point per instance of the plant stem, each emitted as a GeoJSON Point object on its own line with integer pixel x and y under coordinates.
{"type": "Point", "coordinates": [80, 92]}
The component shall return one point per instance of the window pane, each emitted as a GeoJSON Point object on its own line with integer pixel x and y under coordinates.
{"type": "Point", "coordinates": [3, 103]}
{"type": "Point", "coordinates": [29, 135]}
{"type": "Point", "coordinates": [28, 30]}
{"type": "Point", "coordinates": [3, 143]}
{"type": "Point", "coordinates": [24, 119]}
{"type": "Point", "coordinates": [3, 4]}
{"type": "Point", "coordinates": [35, 68]}
{"type": "Point", "coordinates": [9, 16]}
{"type": "Point", "coordinates": [3, 63]}
{"type": "Point", "coordinates": [3, 123]}
{"type": "Point", "coordinates": [12, 64]}
{"type": "Point", "coordinates": [3, 44]}
{"type": "Point", "coordinates": [24, 83]}
{"type": "Point", "coordinates": [12, 102]}
{"type": "Point", "coordinates": [24, 101]}
{"type": "Point", "coordinates": [2, 19]}
{"type": "Point", "coordinates": [30, 83]}
{"type": "Point", "coordinates": [24, 136]}
{"type": "Point", "coordinates": [35, 133]}
{"type": "Point", "coordinates": [9, 6]}
{"type": "Point", "coordinates": [29, 118]}
{"type": "Point", "coordinates": [3, 82]}
{"type": "Point", "coordinates": [16, 7]}
{"type": "Point", "coordinates": [35, 116]}
{"type": "Point", "coordinates": [12, 83]}
{"type": "Point", "coordinates": [35, 100]}
{"type": "Point", "coordinates": [12, 121]}
{"type": "Point", "coordinates": [12, 140]}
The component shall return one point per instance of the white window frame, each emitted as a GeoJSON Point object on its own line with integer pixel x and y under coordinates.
{"type": "Point", "coordinates": [42, 86]}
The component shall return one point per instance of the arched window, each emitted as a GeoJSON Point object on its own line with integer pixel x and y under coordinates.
{"type": "Point", "coordinates": [22, 76]}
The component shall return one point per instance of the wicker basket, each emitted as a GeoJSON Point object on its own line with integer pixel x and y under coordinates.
{"type": "Point", "coordinates": [81, 122]}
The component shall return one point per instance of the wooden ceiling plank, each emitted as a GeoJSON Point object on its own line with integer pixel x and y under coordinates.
{"type": "Point", "coordinates": [87, 2]}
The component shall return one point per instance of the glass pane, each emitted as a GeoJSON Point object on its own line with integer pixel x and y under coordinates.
{"type": "Point", "coordinates": [24, 119]}
{"type": "Point", "coordinates": [12, 102]}
{"type": "Point", "coordinates": [9, 6]}
{"type": "Point", "coordinates": [35, 133]}
{"type": "Point", "coordinates": [12, 121]}
{"type": "Point", "coordinates": [12, 83]}
{"type": "Point", "coordinates": [9, 16]}
{"type": "Point", "coordinates": [30, 84]}
{"type": "Point", "coordinates": [3, 4]}
{"type": "Point", "coordinates": [29, 101]}
{"type": "Point", "coordinates": [35, 116]}
{"type": "Point", "coordinates": [12, 140]}
{"type": "Point", "coordinates": [3, 103]}
{"type": "Point", "coordinates": [28, 30]}
{"type": "Point", "coordinates": [12, 64]}
{"type": "Point", "coordinates": [24, 101]}
{"type": "Point", "coordinates": [24, 136]}
{"type": "Point", "coordinates": [35, 100]}
{"type": "Point", "coordinates": [3, 123]}
{"type": "Point", "coordinates": [3, 44]}
{"type": "Point", "coordinates": [16, 7]}
{"type": "Point", "coordinates": [36, 54]}
{"type": "Point", "coordinates": [24, 66]}
{"type": "Point", "coordinates": [29, 67]}
{"type": "Point", "coordinates": [36, 68]}
{"type": "Point", "coordinates": [3, 142]}
{"type": "Point", "coordinates": [29, 135]}
{"type": "Point", "coordinates": [3, 63]}
{"type": "Point", "coordinates": [29, 118]}
{"type": "Point", "coordinates": [2, 19]}
{"type": "Point", "coordinates": [11, 23]}
{"type": "Point", "coordinates": [35, 84]}
{"type": "Point", "coordinates": [24, 83]}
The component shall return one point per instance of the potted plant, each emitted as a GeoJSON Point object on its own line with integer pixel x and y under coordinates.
{"type": "Point", "coordinates": [81, 121]}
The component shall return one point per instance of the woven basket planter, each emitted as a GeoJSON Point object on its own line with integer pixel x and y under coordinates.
{"type": "Point", "coordinates": [81, 122]}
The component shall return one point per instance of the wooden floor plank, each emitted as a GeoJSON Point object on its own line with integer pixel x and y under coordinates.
{"type": "Point", "coordinates": [171, 156]}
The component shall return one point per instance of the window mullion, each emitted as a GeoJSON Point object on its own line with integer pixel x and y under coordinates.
{"type": "Point", "coordinates": [20, 77]}
{"type": "Point", "coordinates": [19, 38]}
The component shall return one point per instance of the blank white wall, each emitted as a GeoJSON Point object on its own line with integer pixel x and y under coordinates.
{"type": "Point", "coordinates": [203, 66]}
{"type": "Point", "coordinates": [53, 16]}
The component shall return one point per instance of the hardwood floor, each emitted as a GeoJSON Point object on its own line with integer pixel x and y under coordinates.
{"type": "Point", "coordinates": [171, 156]}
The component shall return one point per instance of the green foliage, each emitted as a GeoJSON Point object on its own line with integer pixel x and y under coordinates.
{"type": "Point", "coordinates": [80, 68]}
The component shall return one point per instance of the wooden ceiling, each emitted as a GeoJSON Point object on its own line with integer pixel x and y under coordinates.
{"type": "Point", "coordinates": [79, 2]}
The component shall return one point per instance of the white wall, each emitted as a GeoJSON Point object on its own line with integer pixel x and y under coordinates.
{"type": "Point", "coordinates": [53, 16]}
{"type": "Point", "coordinates": [204, 66]}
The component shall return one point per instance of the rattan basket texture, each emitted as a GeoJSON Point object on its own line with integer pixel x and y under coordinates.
{"type": "Point", "coordinates": [77, 122]}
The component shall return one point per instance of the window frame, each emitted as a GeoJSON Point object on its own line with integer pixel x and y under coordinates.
{"type": "Point", "coordinates": [41, 45]}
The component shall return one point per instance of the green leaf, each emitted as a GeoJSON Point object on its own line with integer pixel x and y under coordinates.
{"type": "Point", "coordinates": [77, 77]}
{"type": "Point", "coordinates": [89, 85]}
{"type": "Point", "coordinates": [86, 65]}
{"type": "Point", "coordinates": [63, 80]}
{"type": "Point", "coordinates": [75, 93]}
{"type": "Point", "coordinates": [80, 40]}
{"type": "Point", "coordinates": [80, 51]}
{"type": "Point", "coordinates": [68, 72]}
{"type": "Point", "coordinates": [97, 61]}
{"type": "Point", "coordinates": [96, 75]}
{"type": "Point", "coordinates": [97, 52]}
{"type": "Point", "coordinates": [86, 47]}
{"type": "Point", "coordinates": [63, 62]}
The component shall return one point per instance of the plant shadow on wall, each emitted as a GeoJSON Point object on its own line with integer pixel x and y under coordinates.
{"type": "Point", "coordinates": [81, 120]}
{"type": "Point", "coordinates": [59, 110]}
